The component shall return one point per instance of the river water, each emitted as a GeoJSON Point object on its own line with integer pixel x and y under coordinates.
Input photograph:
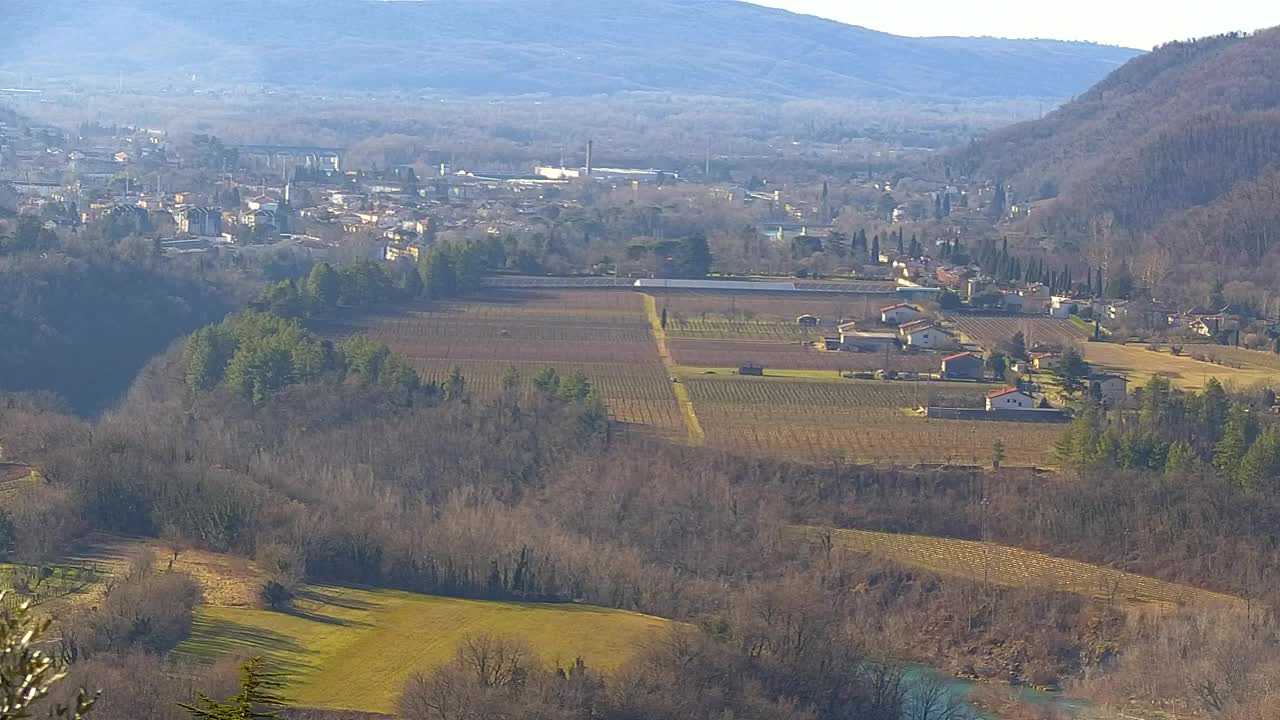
{"type": "Point", "coordinates": [919, 675]}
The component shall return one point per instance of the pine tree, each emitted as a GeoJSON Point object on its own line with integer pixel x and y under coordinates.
{"type": "Point", "coordinates": [1230, 450]}
{"type": "Point", "coordinates": [1181, 459]}
{"type": "Point", "coordinates": [1260, 464]}
{"type": "Point", "coordinates": [257, 696]}
{"type": "Point", "coordinates": [322, 285]}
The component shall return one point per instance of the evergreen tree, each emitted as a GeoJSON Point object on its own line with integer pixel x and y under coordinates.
{"type": "Point", "coordinates": [1230, 450]}
{"type": "Point", "coordinates": [1071, 372]}
{"type": "Point", "coordinates": [946, 205]}
{"type": "Point", "coordinates": [1260, 464]}
{"type": "Point", "coordinates": [255, 701]}
{"type": "Point", "coordinates": [1181, 459]}
{"type": "Point", "coordinates": [322, 285]}
{"type": "Point", "coordinates": [875, 250]}
{"type": "Point", "coordinates": [1213, 409]}
{"type": "Point", "coordinates": [455, 384]}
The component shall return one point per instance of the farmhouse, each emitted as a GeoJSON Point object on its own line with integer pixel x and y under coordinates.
{"type": "Point", "coordinates": [1010, 399]}
{"type": "Point", "coordinates": [1044, 360]}
{"type": "Point", "coordinates": [924, 335]}
{"type": "Point", "coordinates": [900, 313]}
{"type": "Point", "coordinates": [1207, 326]}
{"type": "Point", "coordinates": [1110, 389]}
{"type": "Point", "coordinates": [965, 366]}
{"type": "Point", "coordinates": [1063, 307]}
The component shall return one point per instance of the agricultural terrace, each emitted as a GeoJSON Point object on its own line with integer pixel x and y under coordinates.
{"type": "Point", "coordinates": [1013, 567]}
{"type": "Point", "coordinates": [347, 649]}
{"type": "Point", "coordinates": [989, 330]}
{"type": "Point", "coordinates": [857, 422]}
{"type": "Point", "coordinates": [1184, 371]}
{"type": "Point", "coordinates": [604, 333]}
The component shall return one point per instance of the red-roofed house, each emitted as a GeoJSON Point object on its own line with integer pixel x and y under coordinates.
{"type": "Point", "coordinates": [1010, 399]}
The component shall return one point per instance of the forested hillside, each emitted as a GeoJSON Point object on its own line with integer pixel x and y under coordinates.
{"type": "Point", "coordinates": [79, 318]}
{"type": "Point", "coordinates": [1170, 161]}
{"type": "Point", "coordinates": [514, 47]}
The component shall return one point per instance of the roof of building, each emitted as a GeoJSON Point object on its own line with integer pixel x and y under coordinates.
{"type": "Point", "coordinates": [1103, 377]}
{"type": "Point", "coordinates": [887, 308]}
{"type": "Point", "coordinates": [1006, 391]}
{"type": "Point", "coordinates": [957, 356]}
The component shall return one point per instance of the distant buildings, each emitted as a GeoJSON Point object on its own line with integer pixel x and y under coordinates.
{"type": "Point", "coordinates": [200, 221]}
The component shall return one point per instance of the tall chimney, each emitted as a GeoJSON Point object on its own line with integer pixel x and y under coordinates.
{"type": "Point", "coordinates": [591, 144]}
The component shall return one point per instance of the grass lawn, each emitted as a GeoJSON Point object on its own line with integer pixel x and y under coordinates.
{"type": "Point", "coordinates": [350, 649]}
{"type": "Point", "coordinates": [1139, 365]}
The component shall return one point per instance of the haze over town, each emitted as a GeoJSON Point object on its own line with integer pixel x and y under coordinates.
{"type": "Point", "coordinates": [643, 360]}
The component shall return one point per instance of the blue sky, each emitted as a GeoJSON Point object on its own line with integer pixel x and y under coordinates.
{"type": "Point", "coordinates": [1131, 23]}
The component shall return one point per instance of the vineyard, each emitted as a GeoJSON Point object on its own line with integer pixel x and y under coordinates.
{"type": "Point", "coordinates": [990, 330]}
{"type": "Point", "coordinates": [857, 422]}
{"type": "Point", "coordinates": [749, 316]}
{"type": "Point", "coordinates": [1013, 567]}
{"type": "Point", "coordinates": [794, 356]}
{"type": "Point", "coordinates": [605, 334]}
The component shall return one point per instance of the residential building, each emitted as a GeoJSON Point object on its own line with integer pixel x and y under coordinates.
{"type": "Point", "coordinates": [964, 366]}
{"type": "Point", "coordinates": [900, 313]}
{"type": "Point", "coordinates": [924, 335]}
{"type": "Point", "coordinates": [1010, 399]}
{"type": "Point", "coordinates": [1045, 360]}
{"type": "Point", "coordinates": [200, 221]}
{"type": "Point", "coordinates": [1109, 389]}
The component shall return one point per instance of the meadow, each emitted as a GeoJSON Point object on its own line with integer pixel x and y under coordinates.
{"type": "Point", "coordinates": [1139, 365]}
{"type": "Point", "coordinates": [351, 649]}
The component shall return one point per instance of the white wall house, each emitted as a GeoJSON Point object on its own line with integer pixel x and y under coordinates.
{"type": "Point", "coordinates": [1010, 400]}
{"type": "Point", "coordinates": [900, 313]}
{"type": "Point", "coordinates": [926, 337]}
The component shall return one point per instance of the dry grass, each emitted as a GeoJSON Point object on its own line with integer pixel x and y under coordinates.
{"type": "Point", "coordinates": [348, 649]}
{"type": "Point", "coordinates": [1140, 364]}
{"type": "Point", "coordinates": [1014, 567]}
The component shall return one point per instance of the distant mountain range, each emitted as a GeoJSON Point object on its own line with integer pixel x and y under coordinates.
{"type": "Point", "coordinates": [1172, 161]}
{"type": "Point", "coordinates": [513, 47]}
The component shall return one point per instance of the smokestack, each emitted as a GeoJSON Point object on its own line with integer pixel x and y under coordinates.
{"type": "Point", "coordinates": [591, 144]}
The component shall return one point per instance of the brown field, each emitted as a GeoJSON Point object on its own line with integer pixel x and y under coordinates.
{"type": "Point", "coordinates": [793, 356]}
{"type": "Point", "coordinates": [752, 316]}
{"type": "Point", "coordinates": [857, 421]}
{"type": "Point", "coordinates": [988, 330]}
{"type": "Point", "coordinates": [603, 333]}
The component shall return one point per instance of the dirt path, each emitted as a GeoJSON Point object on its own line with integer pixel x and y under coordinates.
{"type": "Point", "coordinates": [696, 435]}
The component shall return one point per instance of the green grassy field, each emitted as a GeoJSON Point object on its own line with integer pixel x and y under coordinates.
{"type": "Point", "coordinates": [351, 649]}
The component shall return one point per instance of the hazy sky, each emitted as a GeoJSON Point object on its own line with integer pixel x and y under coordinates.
{"type": "Point", "coordinates": [1132, 23]}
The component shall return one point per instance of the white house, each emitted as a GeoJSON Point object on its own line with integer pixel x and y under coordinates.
{"type": "Point", "coordinates": [925, 335]}
{"type": "Point", "coordinates": [1010, 399]}
{"type": "Point", "coordinates": [1063, 307]}
{"type": "Point", "coordinates": [900, 313]}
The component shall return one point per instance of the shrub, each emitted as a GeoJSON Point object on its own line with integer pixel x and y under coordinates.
{"type": "Point", "coordinates": [276, 596]}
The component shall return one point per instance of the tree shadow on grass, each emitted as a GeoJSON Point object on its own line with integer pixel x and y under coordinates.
{"type": "Point", "coordinates": [215, 637]}
{"type": "Point", "coordinates": [324, 597]}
